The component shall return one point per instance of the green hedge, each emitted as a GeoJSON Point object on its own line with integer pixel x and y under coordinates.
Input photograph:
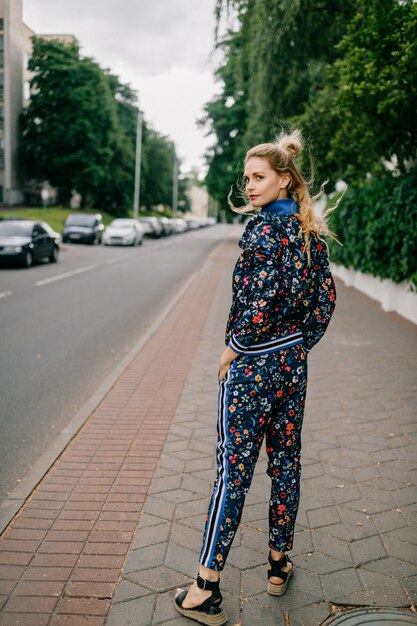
{"type": "Point", "coordinates": [377, 225]}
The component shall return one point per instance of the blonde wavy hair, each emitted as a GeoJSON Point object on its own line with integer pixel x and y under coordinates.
{"type": "Point", "coordinates": [280, 155]}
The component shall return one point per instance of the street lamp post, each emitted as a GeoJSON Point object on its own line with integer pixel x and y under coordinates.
{"type": "Point", "coordinates": [137, 165]}
{"type": "Point", "coordinates": [175, 186]}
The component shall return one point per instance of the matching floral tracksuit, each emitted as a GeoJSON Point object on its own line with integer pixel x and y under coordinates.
{"type": "Point", "coordinates": [281, 308]}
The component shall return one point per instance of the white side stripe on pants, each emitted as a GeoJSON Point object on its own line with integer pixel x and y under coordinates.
{"type": "Point", "coordinates": [219, 494]}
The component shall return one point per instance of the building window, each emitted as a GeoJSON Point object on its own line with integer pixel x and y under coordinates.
{"type": "Point", "coordinates": [1, 159]}
{"type": "Point", "coordinates": [1, 42]}
{"type": "Point", "coordinates": [1, 24]}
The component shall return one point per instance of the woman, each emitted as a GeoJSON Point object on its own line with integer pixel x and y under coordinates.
{"type": "Point", "coordinates": [283, 298]}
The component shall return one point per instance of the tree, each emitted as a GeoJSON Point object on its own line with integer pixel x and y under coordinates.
{"type": "Point", "coordinates": [116, 193]}
{"type": "Point", "coordinates": [372, 91]}
{"type": "Point", "coordinates": [158, 162]}
{"type": "Point", "coordinates": [79, 132]}
{"type": "Point", "coordinates": [69, 127]}
{"type": "Point", "coordinates": [226, 117]}
{"type": "Point", "coordinates": [275, 59]}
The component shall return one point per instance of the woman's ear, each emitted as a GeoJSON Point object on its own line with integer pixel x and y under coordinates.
{"type": "Point", "coordinates": [285, 180]}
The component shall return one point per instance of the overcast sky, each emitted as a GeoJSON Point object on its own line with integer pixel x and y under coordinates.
{"type": "Point", "coordinates": [161, 47]}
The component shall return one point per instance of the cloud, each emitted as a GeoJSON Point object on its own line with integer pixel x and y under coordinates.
{"type": "Point", "coordinates": [161, 47]}
{"type": "Point", "coordinates": [174, 102]}
{"type": "Point", "coordinates": [150, 36]}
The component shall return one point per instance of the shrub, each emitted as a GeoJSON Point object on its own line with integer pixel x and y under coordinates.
{"type": "Point", "coordinates": [377, 225]}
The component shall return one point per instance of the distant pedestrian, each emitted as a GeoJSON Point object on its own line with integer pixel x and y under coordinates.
{"type": "Point", "coordinates": [283, 298]}
{"type": "Point", "coordinates": [44, 197]}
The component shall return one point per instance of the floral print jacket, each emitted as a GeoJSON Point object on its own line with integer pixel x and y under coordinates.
{"type": "Point", "coordinates": [276, 295]}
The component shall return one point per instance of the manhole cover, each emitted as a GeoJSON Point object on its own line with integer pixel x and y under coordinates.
{"type": "Point", "coordinates": [362, 617]}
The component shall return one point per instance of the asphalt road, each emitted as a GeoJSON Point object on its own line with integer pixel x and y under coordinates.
{"type": "Point", "coordinates": [66, 326]}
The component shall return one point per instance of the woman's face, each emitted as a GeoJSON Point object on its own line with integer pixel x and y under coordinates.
{"type": "Point", "coordinates": [262, 183]}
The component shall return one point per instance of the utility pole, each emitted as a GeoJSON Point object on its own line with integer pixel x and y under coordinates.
{"type": "Point", "coordinates": [137, 165]}
{"type": "Point", "coordinates": [175, 186]}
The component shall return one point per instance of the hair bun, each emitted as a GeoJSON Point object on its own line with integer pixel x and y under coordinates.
{"type": "Point", "coordinates": [290, 144]}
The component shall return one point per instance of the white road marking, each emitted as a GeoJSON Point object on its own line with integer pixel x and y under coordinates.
{"type": "Point", "coordinates": [81, 270]}
{"type": "Point", "coordinates": [4, 294]}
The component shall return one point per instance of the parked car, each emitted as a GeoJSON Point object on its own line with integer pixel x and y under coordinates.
{"type": "Point", "coordinates": [124, 232]}
{"type": "Point", "coordinates": [151, 226]}
{"type": "Point", "coordinates": [51, 232]}
{"type": "Point", "coordinates": [193, 223]}
{"type": "Point", "coordinates": [179, 225]}
{"type": "Point", "coordinates": [165, 225]}
{"type": "Point", "coordinates": [83, 227]}
{"type": "Point", "coordinates": [27, 241]}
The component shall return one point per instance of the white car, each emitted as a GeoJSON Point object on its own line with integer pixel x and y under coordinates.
{"type": "Point", "coordinates": [178, 225]}
{"type": "Point", "coordinates": [124, 232]}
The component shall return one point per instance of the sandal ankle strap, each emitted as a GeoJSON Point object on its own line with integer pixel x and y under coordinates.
{"type": "Point", "coordinates": [208, 585]}
{"type": "Point", "coordinates": [277, 567]}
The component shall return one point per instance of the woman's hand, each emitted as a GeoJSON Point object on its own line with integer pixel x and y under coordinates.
{"type": "Point", "coordinates": [226, 360]}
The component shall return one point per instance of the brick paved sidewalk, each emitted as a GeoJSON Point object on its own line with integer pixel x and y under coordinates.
{"type": "Point", "coordinates": [355, 543]}
{"type": "Point", "coordinates": [61, 556]}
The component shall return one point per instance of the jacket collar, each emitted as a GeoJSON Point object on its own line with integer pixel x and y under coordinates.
{"type": "Point", "coordinates": [288, 206]}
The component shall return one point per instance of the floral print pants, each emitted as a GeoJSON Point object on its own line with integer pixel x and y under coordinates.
{"type": "Point", "coordinates": [262, 396]}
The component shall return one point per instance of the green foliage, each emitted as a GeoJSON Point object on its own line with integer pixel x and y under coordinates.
{"type": "Point", "coordinates": [157, 169]}
{"type": "Point", "coordinates": [365, 111]}
{"type": "Point", "coordinates": [115, 194]}
{"type": "Point", "coordinates": [377, 225]}
{"type": "Point", "coordinates": [275, 59]}
{"type": "Point", "coordinates": [226, 118]}
{"type": "Point", "coordinates": [79, 133]}
{"type": "Point", "coordinates": [345, 72]}
{"type": "Point", "coordinates": [69, 128]}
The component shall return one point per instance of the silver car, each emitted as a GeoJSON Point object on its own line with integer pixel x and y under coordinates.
{"type": "Point", "coordinates": [124, 232]}
{"type": "Point", "coordinates": [151, 226]}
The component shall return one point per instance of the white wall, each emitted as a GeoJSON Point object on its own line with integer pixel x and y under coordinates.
{"type": "Point", "coordinates": [400, 298]}
{"type": "Point", "coordinates": [199, 201]}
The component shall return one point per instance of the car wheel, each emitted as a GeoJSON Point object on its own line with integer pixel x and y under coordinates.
{"type": "Point", "coordinates": [28, 259]}
{"type": "Point", "coordinates": [54, 255]}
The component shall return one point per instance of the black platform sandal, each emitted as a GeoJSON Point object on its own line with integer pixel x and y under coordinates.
{"type": "Point", "coordinates": [209, 612]}
{"type": "Point", "coordinates": [278, 572]}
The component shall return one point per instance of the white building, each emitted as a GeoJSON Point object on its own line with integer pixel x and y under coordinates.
{"type": "Point", "coordinates": [15, 51]}
{"type": "Point", "coordinates": [11, 98]}
{"type": "Point", "coordinates": [199, 200]}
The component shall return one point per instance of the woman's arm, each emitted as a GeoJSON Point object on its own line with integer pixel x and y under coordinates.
{"type": "Point", "coordinates": [322, 303]}
{"type": "Point", "coordinates": [264, 281]}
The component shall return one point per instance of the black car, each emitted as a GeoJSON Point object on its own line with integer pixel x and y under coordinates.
{"type": "Point", "coordinates": [27, 241]}
{"type": "Point", "coordinates": [83, 228]}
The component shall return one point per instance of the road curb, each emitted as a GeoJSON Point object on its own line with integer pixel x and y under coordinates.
{"type": "Point", "coordinates": [17, 498]}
